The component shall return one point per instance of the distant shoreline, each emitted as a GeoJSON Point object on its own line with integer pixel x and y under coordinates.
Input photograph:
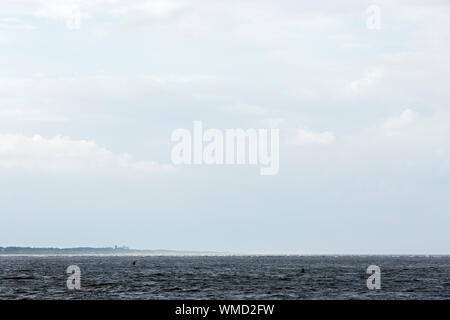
{"type": "Point", "coordinates": [86, 251]}
{"type": "Point", "coordinates": [125, 251]}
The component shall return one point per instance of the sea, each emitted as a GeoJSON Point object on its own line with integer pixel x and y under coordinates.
{"type": "Point", "coordinates": [224, 277]}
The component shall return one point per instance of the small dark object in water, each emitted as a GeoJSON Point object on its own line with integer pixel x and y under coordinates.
{"type": "Point", "coordinates": [134, 263]}
{"type": "Point", "coordinates": [303, 270]}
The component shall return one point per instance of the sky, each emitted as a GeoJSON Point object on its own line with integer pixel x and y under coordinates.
{"type": "Point", "coordinates": [91, 91]}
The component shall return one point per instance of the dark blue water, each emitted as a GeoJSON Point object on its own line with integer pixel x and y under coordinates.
{"type": "Point", "coordinates": [227, 277]}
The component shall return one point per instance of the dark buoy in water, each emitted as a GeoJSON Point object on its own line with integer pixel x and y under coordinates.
{"type": "Point", "coordinates": [134, 263]}
{"type": "Point", "coordinates": [303, 270]}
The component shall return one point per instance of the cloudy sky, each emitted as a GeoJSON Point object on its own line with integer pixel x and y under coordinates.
{"type": "Point", "coordinates": [91, 90]}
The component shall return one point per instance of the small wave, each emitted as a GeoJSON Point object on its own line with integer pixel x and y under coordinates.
{"type": "Point", "coordinates": [18, 278]}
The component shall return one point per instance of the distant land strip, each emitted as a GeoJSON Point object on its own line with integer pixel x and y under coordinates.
{"type": "Point", "coordinates": [105, 251]}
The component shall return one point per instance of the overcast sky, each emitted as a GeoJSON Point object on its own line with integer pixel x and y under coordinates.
{"type": "Point", "coordinates": [87, 110]}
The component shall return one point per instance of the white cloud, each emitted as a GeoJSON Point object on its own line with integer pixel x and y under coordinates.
{"type": "Point", "coordinates": [349, 41]}
{"type": "Point", "coordinates": [14, 23]}
{"type": "Point", "coordinates": [18, 114]}
{"type": "Point", "coordinates": [4, 39]}
{"type": "Point", "coordinates": [74, 13]}
{"type": "Point", "coordinates": [407, 117]}
{"type": "Point", "coordinates": [411, 145]}
{"type": "Point", "coordinates": [414, 128]}
{"type": "Point", "coordinates": [370, 78]}
{"type": "Point", "coordinates": [178, 78]}
{"type": "Point", "coordinates": [11, 28]}
{"type": "Point", "coordinates": [54, 9]}
{"type": "Point", "coordinates": [247, 109]}
{"type": "Point", "coordinates": [64, 155]}
{"type": "Point", "coordinates": [57, 98]}
{"type": "Point", "coordinates": [306, 137]}
{"type": "Point", "coordinates": [272, 122]}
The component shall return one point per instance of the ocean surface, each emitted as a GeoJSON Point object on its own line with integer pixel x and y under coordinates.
{"type": "Point", "coordinates": [224, 277]}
